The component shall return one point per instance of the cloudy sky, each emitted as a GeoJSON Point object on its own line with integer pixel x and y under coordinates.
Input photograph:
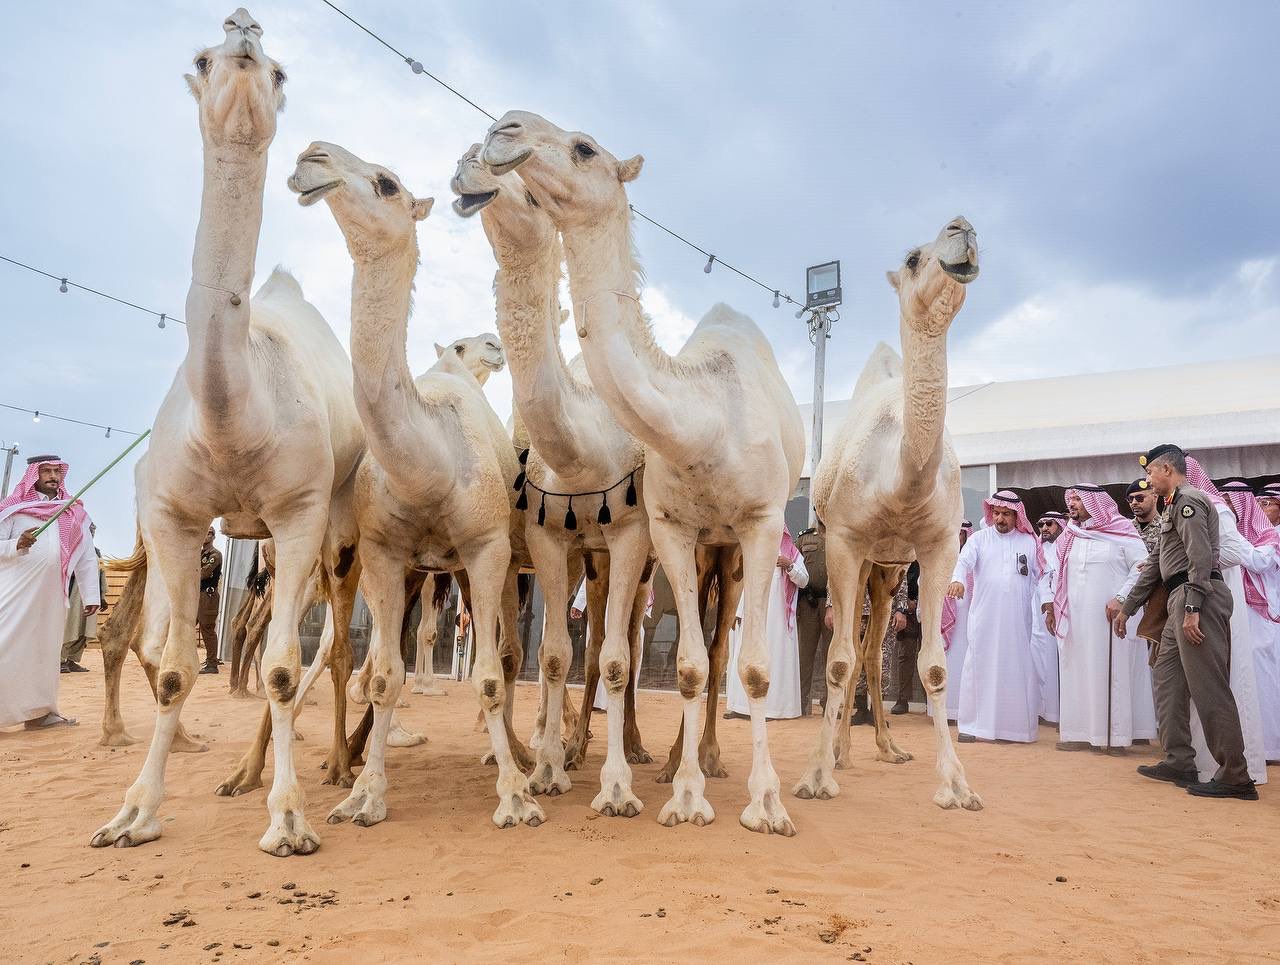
{"type": "Point", "coordinates": [1116, 159]}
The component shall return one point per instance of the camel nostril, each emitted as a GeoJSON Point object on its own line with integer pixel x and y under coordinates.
{"type": "Point", "coordinates": [510, 127]}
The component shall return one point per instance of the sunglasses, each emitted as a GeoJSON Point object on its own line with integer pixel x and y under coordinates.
{"type": "Point", "coordinates": [1136, 497]}
{"type": "Point", "coordinates": [1022, 564]}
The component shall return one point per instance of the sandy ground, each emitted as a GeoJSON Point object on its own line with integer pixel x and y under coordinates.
{"type": "Point", "coordinates": [1151, 875]}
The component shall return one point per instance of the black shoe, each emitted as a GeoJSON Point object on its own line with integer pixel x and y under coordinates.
{"type": "Point", "coordinates": [1163, 772]}
{"type": "Point", "coordinates": [967, 739]}
{"type": "Point", "coordinates": [901, 707]}
{"type": "Point", "coordinates": [734, 715]}
{"type": "Point", "coordinates": [65, 668]}
{"type": "Point", "coordinates": [862, 714]}
{"type": "Point", "coordinates": [1215, 788]}
{"type": "Point", "coordinates": [209, 668]}
{"type": "Point", "coordinates": [72, 667]}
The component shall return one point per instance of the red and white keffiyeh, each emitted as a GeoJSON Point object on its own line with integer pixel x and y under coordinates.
{"type": "Point", "coordinates": [788, 549]}
{"type": "Point", "coordinates": [1200, 479]}
{"type": "Point", "coordinates": [1257, 529]}
{"type": "Point", "coordinates": [949, 604]}
{"type": "Point", "coordinates": [1105, 522]}
{"type": "Point", "coordinates": [25, 499]}
{"type": "Point", "coordinates": [1011, 500]}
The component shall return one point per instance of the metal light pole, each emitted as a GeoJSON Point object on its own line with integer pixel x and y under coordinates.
{"type": "Point", "coordinates": [9, 453]}
{"type": "Point", "coordinates": [822, 298]}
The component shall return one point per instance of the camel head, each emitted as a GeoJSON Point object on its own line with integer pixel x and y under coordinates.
{"type": "Point", "coordinates": [513, 220]}
{"type": "Point", "coordinates": [481, 355]}
{"type": "Point", "coordinates": [238, 87]}
{"type": "Point", "coordinates": [570, 175]}
{"type": "Point", "coordinates": [376, 213]}
{"type": "Point", "coordinates": [930, 283]}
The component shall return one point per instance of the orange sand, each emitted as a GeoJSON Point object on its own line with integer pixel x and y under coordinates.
{"type": "Point", "coordinates": [1152, 875]}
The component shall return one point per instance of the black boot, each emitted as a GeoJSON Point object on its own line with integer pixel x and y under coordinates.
{"type": "Point", "coordinates": [862, 711]}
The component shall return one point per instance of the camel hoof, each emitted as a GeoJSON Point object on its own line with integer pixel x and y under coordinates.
{"type": "Point", "coordinates": [713, 768]}
{"type": "Point", "coordinates": [517, 809]}
{"type": "Point", "coordinates": [890, 757]}
{"type": "Point", "coordinates": [280, 843]}
{"type": "Point", "coordinates": [692, 808]}
{"type": "Point", "coordinates": [339, 778]}
{"type": "Point", "coordinates": [816, 785]}
{"type": "Point", "coordinates": [118, 738]}
{"type": "Point", "coordinates": [546, 779]}
{"type": "Point", "coordinates": [488, 760]}
{"type": "Point", "coordinates": [768, 816]}
{"type": "Point", "coordinates": [241, 782]}
{"type": "Point", "coordinates": [664, 777]}
{"type": "Point", "coordinates": [639, 756]}
{"type": "Point", "coordinates": [186, 745]}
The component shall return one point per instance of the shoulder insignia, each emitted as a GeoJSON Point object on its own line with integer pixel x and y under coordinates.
{"type": "Point", "coordinates": [1188, 512]}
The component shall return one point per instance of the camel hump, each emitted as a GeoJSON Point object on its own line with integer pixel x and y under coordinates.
{"type": "Point", "coordinates": [883, 365]}
{"type": "Point", "coordinates": [722, 314]}
{"type": "Point", "coordinates": [280, 284]}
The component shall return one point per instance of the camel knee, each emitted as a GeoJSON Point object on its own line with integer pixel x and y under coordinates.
{"type": "Point", "coordinates": [838, 673]}
{"type": "Point", "coordinates": [172, 686]}
{"type": "Point", "coordinates": [690, 677]}
{"type": "Point", "coordinates": [755, 680]}
{"type": "Point", "coordinates": [491, 693]}
{"type": "Point", "coordinates": [383, 690]}
{"type": "Point", "coordinates": [282, 684]}
{"type": "Point", "coordinates": [935, 678]}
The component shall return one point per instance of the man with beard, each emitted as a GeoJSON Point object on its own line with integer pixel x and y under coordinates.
{"type": "Point", "coordinates": [1044, 645]}
{"type": "Point", "coordinates": [1106, 685]}
{"type": "Point", "coordinates": [35, 576]}
{"type": "Point", "coordinates": [207, 612]}
{"type": "Point", "coordinates": [999, 692]}
{"type": "Point", "coordinates": [1269, 500]}
{"type": "Point", "coordinates": [1195, 650]}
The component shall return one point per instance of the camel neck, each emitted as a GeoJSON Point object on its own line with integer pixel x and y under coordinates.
{"type": "Point", "coordinates": [924, 404]}
{"type": "Point", "coordinates": [637, 380]}
{"type": "Point", "coordinates": [218, 368]}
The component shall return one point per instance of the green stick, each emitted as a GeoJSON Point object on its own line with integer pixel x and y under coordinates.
{"type": "Point", "coordinates": [111, 465]}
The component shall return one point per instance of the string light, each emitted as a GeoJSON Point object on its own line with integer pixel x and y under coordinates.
{"type": "Point", "coordinates": [37, 415]}
{"type": "Point", "coordinates": [711, 260]}
{"type": "Point", "coordinates": [775, 298]}
{"type": "Point", "coordinates": [417, 68]}
{"type": "Point", "coordinates": [64, 283]}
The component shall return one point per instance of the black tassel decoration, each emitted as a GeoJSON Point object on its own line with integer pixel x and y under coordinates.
{"type": "Point", "coordinates": [605, 517]}
{"type": "Point", "coordinates": [519, 481]}
{"type": "Point", "coordinates": [524, 456]}
{"type": "Point", "coordinates": [542, 510]}
{"type": "Point", "coordinates": [570, 519]}
{"type": "Point", "coordinates": [523, 502]}
{"type": "Point", "coordinates": [631, 491]}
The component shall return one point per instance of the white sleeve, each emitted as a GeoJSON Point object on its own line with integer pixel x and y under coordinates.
{"type": "Point", "coordinates": [86, 570]}
{"type": "Point", "coordinates": [967, 560]}
{"type": "Point", "coordinates": [1233, 549]}
{"type": "Point", "coordinates": [797, 574]}
{"type": "Point", "coordinates": [580, 599]}
{"type": "Point", "coordinates": [1135, 561]}
{"type": "Point", "coordinates": [9, 533]}
{"type": "Point", "coordinates": [1049, 581]}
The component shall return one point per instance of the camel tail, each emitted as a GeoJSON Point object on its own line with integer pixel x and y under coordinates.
{"type": "Point", "coordinates": [123, 627]}
{"type": "Point", "coordinates": [440, 590]}
{"type": "Point", "coordinates": [131, 563]}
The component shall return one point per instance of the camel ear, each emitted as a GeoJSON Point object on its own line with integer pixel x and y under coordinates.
{"type": "Point", "coordinates": [439, 350]}
{"type": "Point", "coordinates": [894, 279]}
{"type": "Point", "coordinates": [422, 208]}
{"type": "Point", "coordinates": [192, 86]}
{"type": "Point", "coordinates": [630, 170]}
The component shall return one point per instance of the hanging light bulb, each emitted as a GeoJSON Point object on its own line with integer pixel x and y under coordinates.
{"type": "Point", "coordinates": [63, 287]}
{"type": "Point", "coordinates": [710, 261]}
{"type": "Point", "coordinates": [108, 435]}
{"type": "Point", "coordinates": [414, 65]}
{"type": "Point", "coordinates": [160, 324]}
{"type": "Point", "coordinates": [775, 298]}
{"type": "Point", "coordinates": [800, 314]}
{"type": "Point", "coordinates": [36, 417]}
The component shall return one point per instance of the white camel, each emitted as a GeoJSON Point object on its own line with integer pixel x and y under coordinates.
{"type": "Point", "coordinates": [888, 492]}
{"type": "Point", "coordinates": [259, 427]}
{"type": "Point", "coordinates": [721, 431]}
{"type": "Point", "coordinates": [576, 446]}
{"type": "Point", "coordinates": [435, 490]}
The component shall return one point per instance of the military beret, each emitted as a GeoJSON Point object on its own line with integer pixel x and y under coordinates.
{"type": "Point", "coordinates": [1153, 454]}
{"type": "Point", "coordinates": [1138, 486]}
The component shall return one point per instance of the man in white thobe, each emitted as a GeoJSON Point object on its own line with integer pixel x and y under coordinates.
{"type": "Point", "coordinates": [1044, 645]}
{"type": "Point", "coordinates": [577, 610]}
{"type": "Point", "coordinates": [783, 699]}
{"type": "Point", "coordinates": [35, 573]}
{"type": "Point", "coordinates": [999, 690]}
{"type": "Point", "coordinates": [1105, 681]}
{"type": "Point", "coordinates": [955, 637]}
{"type": "Point", "coordinates": [1267, 659]}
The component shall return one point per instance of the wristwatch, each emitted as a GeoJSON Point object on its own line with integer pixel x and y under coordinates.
{"type": "Point", "coordinates": [1191, 609]}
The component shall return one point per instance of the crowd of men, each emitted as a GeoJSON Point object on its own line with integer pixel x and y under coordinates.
{"type": "Point", "coordinates": [1164, 627]}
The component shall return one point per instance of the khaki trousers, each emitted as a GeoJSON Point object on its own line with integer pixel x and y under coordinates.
{"type": "Point", "coordinates": [207, 623]}
{"type": "Point", "coordinates": [1184, 672]}
{"type": "Point", "coordinates": [813, 637]}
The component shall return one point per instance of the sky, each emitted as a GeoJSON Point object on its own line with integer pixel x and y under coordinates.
{"type": "Point", "coordinates": [1117, 160]}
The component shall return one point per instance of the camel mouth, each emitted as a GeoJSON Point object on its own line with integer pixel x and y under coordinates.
{"type": "Point", "coordinates": [500, 168]}
{"type": "Point", "coordinates": [311, 195]}
{"type": "Point", "coordinates": [964, 272]}
{"type": "Point", "coordinates": [468, 203]}
{"type": "Point", "coordinates": [493, 365]}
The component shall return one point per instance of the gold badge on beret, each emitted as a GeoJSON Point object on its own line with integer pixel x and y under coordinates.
{"type": "Point", "coordinates": [1142, 460]}
{"type": "Point", "coordinates": [1188, 512]}
{"type": "Point", "coordinates": [1143, 484]}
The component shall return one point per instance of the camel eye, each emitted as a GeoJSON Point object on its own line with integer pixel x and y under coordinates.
{"type": "Point", "coordinates": [278, 77]}
{"type": "Point", "coordinates": [385, 187]}
{"type": "Point", "coordinates": [533, 202]}
{"type": "Point", "coordinates": [460, 350]}
{"type": "Point", "coordinates": [584, 150]}
{"type": "Point", "coordinates": [913, 260]}
{"type": "Point", "coordinates": [202, 64]}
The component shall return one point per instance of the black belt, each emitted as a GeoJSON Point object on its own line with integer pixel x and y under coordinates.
{"type": "Point", "coordinates": [1175, 581]}
{"type": "Point", "coordinates": [813, 596]}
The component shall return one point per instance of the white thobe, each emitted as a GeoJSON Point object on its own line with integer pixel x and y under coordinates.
{"type": "Point", "coordinates": [999, 691]}
{"type": "Point", "coordinates": [783, 699]}
{"type": "Point", "coordinates": [955, 659]}
{"type": "Point", "coordinates": [33, 612]}
{"type": "Point", "coordinates": [1044, 645]}
{"type": "Point", "coordinates": [1266, 650]}
{"type": "Point", "coordinates": [1234, 550]}
{"type": "Point", "coordinates": [1096, 569]}
{"type": "Point", "coordinates": [600, 701]}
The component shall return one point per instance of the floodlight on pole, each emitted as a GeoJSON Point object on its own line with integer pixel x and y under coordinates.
{"type": "Point", "coordinates": [822, 298]}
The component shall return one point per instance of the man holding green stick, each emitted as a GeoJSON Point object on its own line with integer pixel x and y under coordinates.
{"type": "Point", "coordinates": [37, 562]}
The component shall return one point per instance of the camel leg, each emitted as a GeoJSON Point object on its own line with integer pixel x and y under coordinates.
{"type": "Point", "coordinates": [675, 546]}
{"type": "Point", "coordinates": [628, 554]}
{"type": "Point", "coordinates": [729, 595]}
{"type": "Point", "coordinates": [255, 634]}
{"type": "Point", "coordinates": [486, 565]}
{"type": "Point", "coordinates": [424, 677]}
{"type": "Point", "coordinates": [119, 635]}
{"type": "Point", "coordinates": [550, 559]}
{"type": "Point", "coordinates": [511, 653]}
{"type": "Point", "coordinates": [385, 593]}
{"type": "Point", "coordinates": [846, 586]}
{"type": "Point", "coordinates": [844, 725]}
{"type": "Point", "coordinates": [883, 584]}
{"type": "Point", "coordinates": [597, 599]}
{"type": "Point", "coordinates": [343, 578]}
{"type": "Point", "coordinates": [173, 549]}
{"type": "Point", "coordinates": [936, 565]}
{"type": "Point", "coordinates": [631, 742]}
